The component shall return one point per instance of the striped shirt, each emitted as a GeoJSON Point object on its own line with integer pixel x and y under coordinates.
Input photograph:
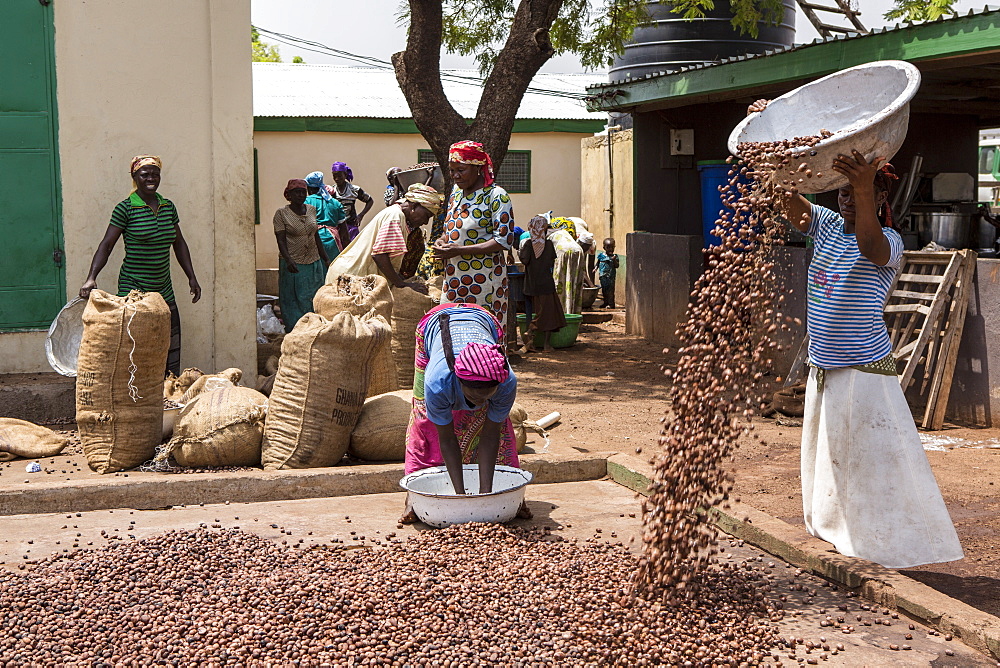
{"type": "Point", "coordinates": [148, 239]}
{"type": "Point", "coordinates": [846, 295]}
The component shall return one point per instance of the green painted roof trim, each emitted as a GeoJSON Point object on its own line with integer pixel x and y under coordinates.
{"type": "Point", "coordinates": [978, 33]}
{"type": "Point", "coordinates": [406, 126]}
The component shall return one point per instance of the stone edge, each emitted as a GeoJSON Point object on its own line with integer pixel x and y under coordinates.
{"type": "Point", "coordinates": [256, 486]}
{"type": "Point", "coordinates": [889, 588]}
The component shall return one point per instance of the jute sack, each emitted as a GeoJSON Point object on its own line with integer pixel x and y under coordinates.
{"type": "Point", "coordinates": [380, 434]}
{"type": "Point", "coordinates": [518, 416]}
{"type": "Point", "coordinates": [19, 438]}
{"type": "Point", "coordinates": [319, 389]}
{"type": "Point", "coordinates": [221, 427]}
{"type": "Point", "coordinates": [209, 382]}
{"type": "Point", "coordinates": [408, 309]}
{"type": "Point", "coordinates": [119, 384]}
{"type": "Point", "coordinates": [359, 295]}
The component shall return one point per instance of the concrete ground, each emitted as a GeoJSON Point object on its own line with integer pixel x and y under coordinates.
{"type": "Point", "coordinates": [593, 510]}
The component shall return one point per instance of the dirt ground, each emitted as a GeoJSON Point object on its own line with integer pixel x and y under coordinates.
{"type": "Point", "coordinates": [612, 394]}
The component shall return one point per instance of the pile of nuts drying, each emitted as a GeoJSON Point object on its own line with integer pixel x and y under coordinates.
{"type": "Point", "coordinates": [470, 595]}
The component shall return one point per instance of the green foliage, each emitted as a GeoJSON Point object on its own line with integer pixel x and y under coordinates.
{"type": "Point", "coordinates": [747, 14]}
{"type": "Point", "coordinates": [262, 52]}
{"type": "Point", "coordinates": [298, 59]}
{"type": "Point", "coordinates": [595, 33]}
{"type": "Point", "coordinates": [920, 10]}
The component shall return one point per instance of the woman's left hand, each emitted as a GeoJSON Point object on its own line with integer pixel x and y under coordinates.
{"type": "Point", "coordinates": [446, 250]}
{"type": "Point", "coordinates": [859, 172]}
{"type": "Point", "coordinates": [195, 290]}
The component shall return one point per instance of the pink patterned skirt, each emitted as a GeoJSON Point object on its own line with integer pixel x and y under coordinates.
{"type": "Point", "coordinates": [423, 449]}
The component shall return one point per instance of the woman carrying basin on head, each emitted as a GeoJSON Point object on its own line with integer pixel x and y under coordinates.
{"type": "Point", "coordinates": [866, 484]}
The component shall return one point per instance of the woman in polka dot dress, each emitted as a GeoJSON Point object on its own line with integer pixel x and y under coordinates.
{"type": "Point", "coordinates": [478, 229]}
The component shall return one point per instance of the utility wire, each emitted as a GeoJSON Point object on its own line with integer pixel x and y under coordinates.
{"type": "Point", "coordinates": [369, 61]}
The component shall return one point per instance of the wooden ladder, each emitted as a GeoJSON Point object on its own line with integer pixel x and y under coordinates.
{"type": "Point", "coordinates": [841, 8]}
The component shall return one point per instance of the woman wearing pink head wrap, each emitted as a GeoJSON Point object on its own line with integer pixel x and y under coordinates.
{"type": "Point", "coordinates": [463, 390]}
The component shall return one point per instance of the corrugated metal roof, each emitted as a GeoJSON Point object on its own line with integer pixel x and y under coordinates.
{"type": "Point", "coordinates": [987, 10]}
{"type": "Point", "coordinates": [330, 91]}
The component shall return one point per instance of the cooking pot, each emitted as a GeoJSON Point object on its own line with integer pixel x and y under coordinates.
{"type": "Point", "coordinates": [984, 235]}
{"type": "Point", "coordinates": [951, 230]}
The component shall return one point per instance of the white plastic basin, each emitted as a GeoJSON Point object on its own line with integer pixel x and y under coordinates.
{"type": "Point", "coordinates": [867, 108]}
{"type": "Point", "coordinates": [62, 344]}
{"type": "Point", "coordinates": [434, 500]}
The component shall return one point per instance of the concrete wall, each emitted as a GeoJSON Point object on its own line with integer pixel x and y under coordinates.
{"type": "Point", "coordinates": [172, 79]}
{"type": "Point", "coordinates": [555, 171]}
{"type": "Point", "coordinates": [598, 196]}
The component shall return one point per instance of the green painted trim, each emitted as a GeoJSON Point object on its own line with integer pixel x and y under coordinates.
{"type": "Point", "coordinates": [936, 40]}
{"type": "Point", "coordinates": [256, 189]}
{"type": "Point", "coordinates": [407, 126]}
{"type": "Point", "coordinates": [50, 54]}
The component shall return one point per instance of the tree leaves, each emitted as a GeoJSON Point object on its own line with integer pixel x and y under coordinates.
{"type": "Point", "coordinates": [921, 10]}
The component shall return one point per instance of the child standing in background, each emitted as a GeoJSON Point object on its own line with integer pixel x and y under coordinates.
{"type": "Point", "coordinates": [607, 270]}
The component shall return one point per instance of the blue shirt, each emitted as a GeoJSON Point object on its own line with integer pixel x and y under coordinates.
{"type": "Point", "coordinates": [606, 265]}
{"type": "Point", "coordinates": [328, 211]}
{"type": "Point", "coordinates": [442, 390]}
{"type": "Point", "coordinates": [846, 295]}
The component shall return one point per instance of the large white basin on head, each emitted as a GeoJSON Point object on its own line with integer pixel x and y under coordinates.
{"type": "Point", "coordinates": [62, 344]}
{"type": "Point", "coordinates": [867, 108]}
{"type": "Point", "coordinates": [434, 500]}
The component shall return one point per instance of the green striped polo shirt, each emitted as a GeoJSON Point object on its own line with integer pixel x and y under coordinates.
{"type": "Point", "coordinates": [148, 239]}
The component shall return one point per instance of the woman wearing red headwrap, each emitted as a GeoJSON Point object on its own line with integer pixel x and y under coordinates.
{"type": "Point", "coordinates": [303, 260]}
{"type": "Point", "coordinates": [478, 228]}
{"type": "Point", "coordinates": [463, 390]}
{"type": "Point", "coordinates": [866, 484]}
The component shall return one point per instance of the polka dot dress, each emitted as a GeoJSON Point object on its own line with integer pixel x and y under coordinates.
{"type": "Point", "coordinates": [485, 215]}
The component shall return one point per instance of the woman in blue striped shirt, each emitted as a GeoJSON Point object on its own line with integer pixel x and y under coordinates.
{"type": "Point", "coordinates": [866, 484]}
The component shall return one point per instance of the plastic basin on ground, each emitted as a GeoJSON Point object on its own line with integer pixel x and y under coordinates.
{"type": "Point", "coordinates": [867, 108]}
{"type": "Point", "coordinates": [434, 500]}
{"type": "Point", "coordinates": [561, 338]}
{"type": "Point", "coordinates": [62, 344]}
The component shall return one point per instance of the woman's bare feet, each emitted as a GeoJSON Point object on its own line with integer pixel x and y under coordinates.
{"type": "Point", "coordinates": [409, 517]}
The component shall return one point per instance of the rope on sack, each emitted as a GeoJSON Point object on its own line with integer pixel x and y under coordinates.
{"type": "Point", "coordinates": [160, 463]}
{"type": "Point", "coordinates": [133, 391]}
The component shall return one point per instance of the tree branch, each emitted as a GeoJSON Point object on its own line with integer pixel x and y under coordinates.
{"type": "Point", "coordinates": [418, 71]}
{"type": "Point", "coordinates": [527, 48]}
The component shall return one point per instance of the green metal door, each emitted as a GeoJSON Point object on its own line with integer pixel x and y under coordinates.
{"type": "Point", "coordinates": [32, 281]}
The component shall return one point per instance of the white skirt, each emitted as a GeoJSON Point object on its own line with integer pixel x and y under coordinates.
{"type": "Point", "coordinates": [866, 484]}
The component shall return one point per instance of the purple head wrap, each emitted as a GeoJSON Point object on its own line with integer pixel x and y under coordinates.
{"type": "Point", "coordinates": [342, 167]}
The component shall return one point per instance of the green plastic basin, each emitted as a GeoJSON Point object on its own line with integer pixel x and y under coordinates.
{"type": "Point", "coordinates": [561, 338]}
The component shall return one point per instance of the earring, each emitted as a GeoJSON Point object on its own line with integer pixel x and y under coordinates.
{"type": "Point", "coordinates": [880, 209]}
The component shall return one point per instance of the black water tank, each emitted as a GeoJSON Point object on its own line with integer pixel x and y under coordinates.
{"type": "Point", "coordinates": [672, 42]}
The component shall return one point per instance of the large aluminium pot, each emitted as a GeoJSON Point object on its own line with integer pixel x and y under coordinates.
{"type": "Point", "coordinates": [951, 230]}
{"type": "Point", "coordinates": [867, 108]}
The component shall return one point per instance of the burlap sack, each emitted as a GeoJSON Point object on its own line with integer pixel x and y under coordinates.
{"type": "Point", "coordinates": [359, 295]}
{"type": "Point", "coordinates": [209, 382]}
{"type": "Point", "coordinates": [221, 427]}
{"type": "Point", "coordinates": [408, 309]}
{"type": "Point", "coordinates": [119, 384]}
{"type": "Point", "coordinates": [518, 416]}
{"type": "Point", "coordinates": [320, 388]}
{"type": "Point", "coordinates": [380, 434]}
{"type": "Point", "coordinates": [19, 438]}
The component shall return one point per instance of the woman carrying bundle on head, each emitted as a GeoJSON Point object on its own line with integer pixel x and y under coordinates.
{"type": "Point", "coordinates": [866, 484]}
{"type": "Point", "coordinates": [463, 391]}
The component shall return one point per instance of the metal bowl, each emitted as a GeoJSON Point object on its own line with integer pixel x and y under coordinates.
{"type": "Point", "coordinates": [434, 500]}
{"type": "Point", "coordinates": [867, 108]}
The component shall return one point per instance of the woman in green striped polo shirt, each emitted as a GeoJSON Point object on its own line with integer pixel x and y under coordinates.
{"type": "Point", "coordinates": [150, 225]}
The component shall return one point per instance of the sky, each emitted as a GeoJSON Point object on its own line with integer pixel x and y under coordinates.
{"type": "Point", "coordinates": [370, 28]}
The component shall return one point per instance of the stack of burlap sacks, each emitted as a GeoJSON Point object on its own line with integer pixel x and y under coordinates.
{"type": "Point", "coordinates": [343, 383]}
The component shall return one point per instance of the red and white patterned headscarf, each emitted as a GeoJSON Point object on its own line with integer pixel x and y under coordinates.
{"type": "Point", "coordinates": [482, 362]}
{"type": "Point", "coordinates": [471, 153]}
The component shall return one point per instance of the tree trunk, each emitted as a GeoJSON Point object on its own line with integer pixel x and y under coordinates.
{"type": "Point", "coordinates": [418, 71]}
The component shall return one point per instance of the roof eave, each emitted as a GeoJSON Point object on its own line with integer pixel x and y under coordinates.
{"type": "Point", "coordinates": [978, 33]}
